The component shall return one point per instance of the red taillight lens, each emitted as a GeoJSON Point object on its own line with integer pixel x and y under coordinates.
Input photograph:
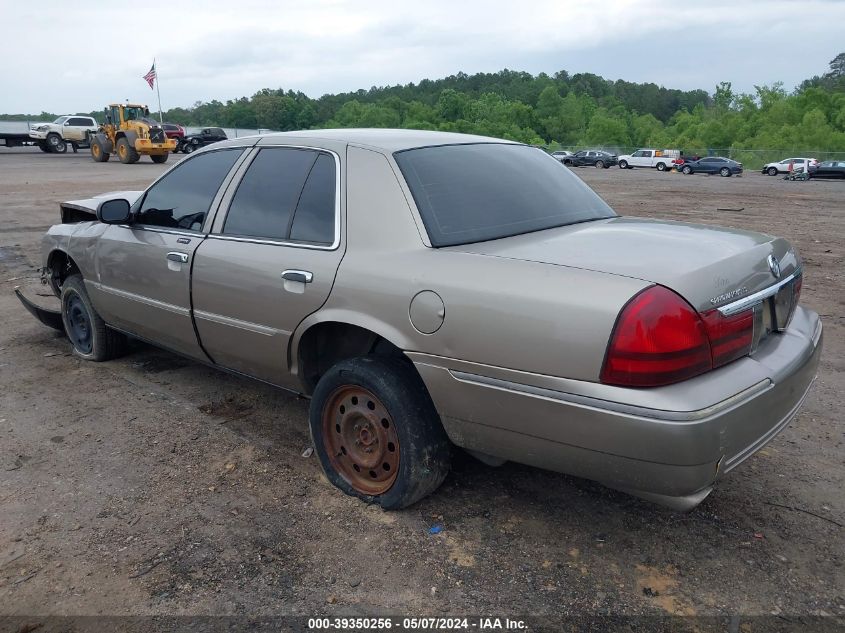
{"type": "Point", "coordinates": [730, 336]}
{"type": "Point", "coordinates": [658, 339]}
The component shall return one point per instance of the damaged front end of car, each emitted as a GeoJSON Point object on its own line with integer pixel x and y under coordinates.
{"type": "Point", "coordinates": [58, 264]}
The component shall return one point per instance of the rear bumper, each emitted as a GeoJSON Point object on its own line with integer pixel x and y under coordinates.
{"type": "Point", "coordinates": [668, 443]}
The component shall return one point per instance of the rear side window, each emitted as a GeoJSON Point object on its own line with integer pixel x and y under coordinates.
{"type": "Point", "coordinates": [314, 219]}
{"type": "Point", "coordinates": [182, 198]}
{"type": "Point", "coordinates": [486, 191]}
{"type": "Point", "coordinates": [286, 194]}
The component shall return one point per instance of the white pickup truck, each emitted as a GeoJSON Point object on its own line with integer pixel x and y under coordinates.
{"type": "Point", "coordinates": [659, 158]}
{"type": "Point", "coordinates": [69, 129]}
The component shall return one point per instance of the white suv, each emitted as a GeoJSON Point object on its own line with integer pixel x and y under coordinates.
{"type": "Point", "coordinates": [782, 167]}
{"type": "Point", "coordinates": [54, 137]}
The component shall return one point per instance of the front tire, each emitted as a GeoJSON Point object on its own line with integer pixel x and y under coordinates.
{"type": "Point", "coordinates": [91, 338]}
{"type": "Point", "coordinates": [687, 170]}
{"type": "Point", "coordinates": [623, 164]}
{"type": "Point", "coordinates": [56, 143]}
{"type": "Point", "coordinates": [377, 433]}
{"type": "Point", "coordinates": [772, 171]}
{"type": "Point", "coordinates": [188, 148]}
{"type": "Point", "coordinates": [126, 153]}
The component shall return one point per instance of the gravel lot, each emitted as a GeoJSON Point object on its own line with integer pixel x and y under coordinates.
{"type": "Point", "coordinates": [155, 485]}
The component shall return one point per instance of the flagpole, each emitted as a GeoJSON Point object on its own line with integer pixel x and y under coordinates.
{"type": "Point", "coordinates": [158, 92]}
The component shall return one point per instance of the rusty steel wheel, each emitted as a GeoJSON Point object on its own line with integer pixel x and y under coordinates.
{"type": "Point", "coordinates": [376, 431]}
{"type": "Point", "coordinates": [361, 440]}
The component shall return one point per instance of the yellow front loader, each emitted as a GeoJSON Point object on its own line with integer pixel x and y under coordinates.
{"type": "Point", "coordinates": [128, 133]}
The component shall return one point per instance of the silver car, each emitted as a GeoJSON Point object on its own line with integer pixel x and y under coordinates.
{"type": "Point", "coordinates": [429, 290]}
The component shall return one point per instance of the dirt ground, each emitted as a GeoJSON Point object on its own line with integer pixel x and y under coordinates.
{"type": "Point", "coordinates": [155, 485]}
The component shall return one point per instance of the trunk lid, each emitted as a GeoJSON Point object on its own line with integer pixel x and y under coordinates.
{"type": "Point", "coordinates": [709, 266]}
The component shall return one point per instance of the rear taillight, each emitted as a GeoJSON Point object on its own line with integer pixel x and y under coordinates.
{"type": "Point", "coordinates": [730, 336]}
{"type": "Point", "coordinates": [660, 339]}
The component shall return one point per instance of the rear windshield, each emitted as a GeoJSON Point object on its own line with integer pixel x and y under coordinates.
{"type": "Point", "coordinates": [486, 191]}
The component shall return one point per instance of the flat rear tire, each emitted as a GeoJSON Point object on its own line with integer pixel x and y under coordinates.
{"type": "Point", "coordinates": [376, 432]}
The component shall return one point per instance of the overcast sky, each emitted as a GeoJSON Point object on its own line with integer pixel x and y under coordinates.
{"type": "Point", "coordinates": [76, 57]}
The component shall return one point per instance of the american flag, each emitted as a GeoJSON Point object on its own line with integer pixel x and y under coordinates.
{"type": "Point", "coordinates": [150, 77]}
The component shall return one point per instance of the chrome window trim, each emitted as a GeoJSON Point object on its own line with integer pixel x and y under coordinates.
{"type": "Point", "coordinates": [758, 297]}
{"type": "Point", "coordinates": [218, 230]}
{"type": "Point", "coordinates": [256, 240]}
{"type": "Point", "coordinates": [155, 229]}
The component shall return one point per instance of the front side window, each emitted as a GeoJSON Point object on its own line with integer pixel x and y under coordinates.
{"type": "Point", "coordinates": [487, 191]}
{"type": "Point", "coordinates": [60, 120]}
{"type": "Point", "coordinates": [182, 199]}
{"type": "Point", "coordinates": [286, 194]}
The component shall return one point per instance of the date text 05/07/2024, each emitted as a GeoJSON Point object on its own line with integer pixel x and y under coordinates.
{"type": "Point", "coordinates": [417, 624]}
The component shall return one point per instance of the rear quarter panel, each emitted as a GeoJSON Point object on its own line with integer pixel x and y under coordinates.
{"type": "Point", "coordinates": [509, 313]}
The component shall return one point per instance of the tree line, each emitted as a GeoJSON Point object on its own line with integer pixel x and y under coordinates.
{"type": "Point", "coordinates": [562, 110]}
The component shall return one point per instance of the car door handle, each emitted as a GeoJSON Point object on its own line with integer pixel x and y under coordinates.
{"type": "Point", "coordinates": [175, 256]}
{"type": "Point", "coordinates": [298, 275]}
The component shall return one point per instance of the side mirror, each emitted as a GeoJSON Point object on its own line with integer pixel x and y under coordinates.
{"type": "Point", "coordinates": [114, 211]}
{"type": "Point", "coordinates": [67, 123]}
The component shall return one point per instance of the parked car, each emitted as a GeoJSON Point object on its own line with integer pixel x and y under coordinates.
{"type": "Point", "coordinates": [590, 158]}
{"type": "Point", "coordinates": [69, 129]}
{"type": "Point", "coordinates": [172, 130]}
{"type": "Point", "coordinates": [426, 289]}
{"type": "Point", "coordinates": [828, 169]}
{"type": "Point", "coordinates": [207, 136]}
{"type": "Point", "coordinates": [660, 159]}
{"type": "Point", "coordinates": [561, 154]}
{"type": "Point", "coordinates": [712, 165]}
{"type": "Point", "coordinates": [783, 167]}
{"type": "Point", "coordinates": [678, 162]}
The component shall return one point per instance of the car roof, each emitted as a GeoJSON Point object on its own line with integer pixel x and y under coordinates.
{"type": "Point", "coordinates": [385, 139]}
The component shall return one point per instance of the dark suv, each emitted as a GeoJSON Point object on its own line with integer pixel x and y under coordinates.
{"type": "Point", "coordinates": [591, 158]}
{"type": "Point", "coordinates": [207, 136]}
